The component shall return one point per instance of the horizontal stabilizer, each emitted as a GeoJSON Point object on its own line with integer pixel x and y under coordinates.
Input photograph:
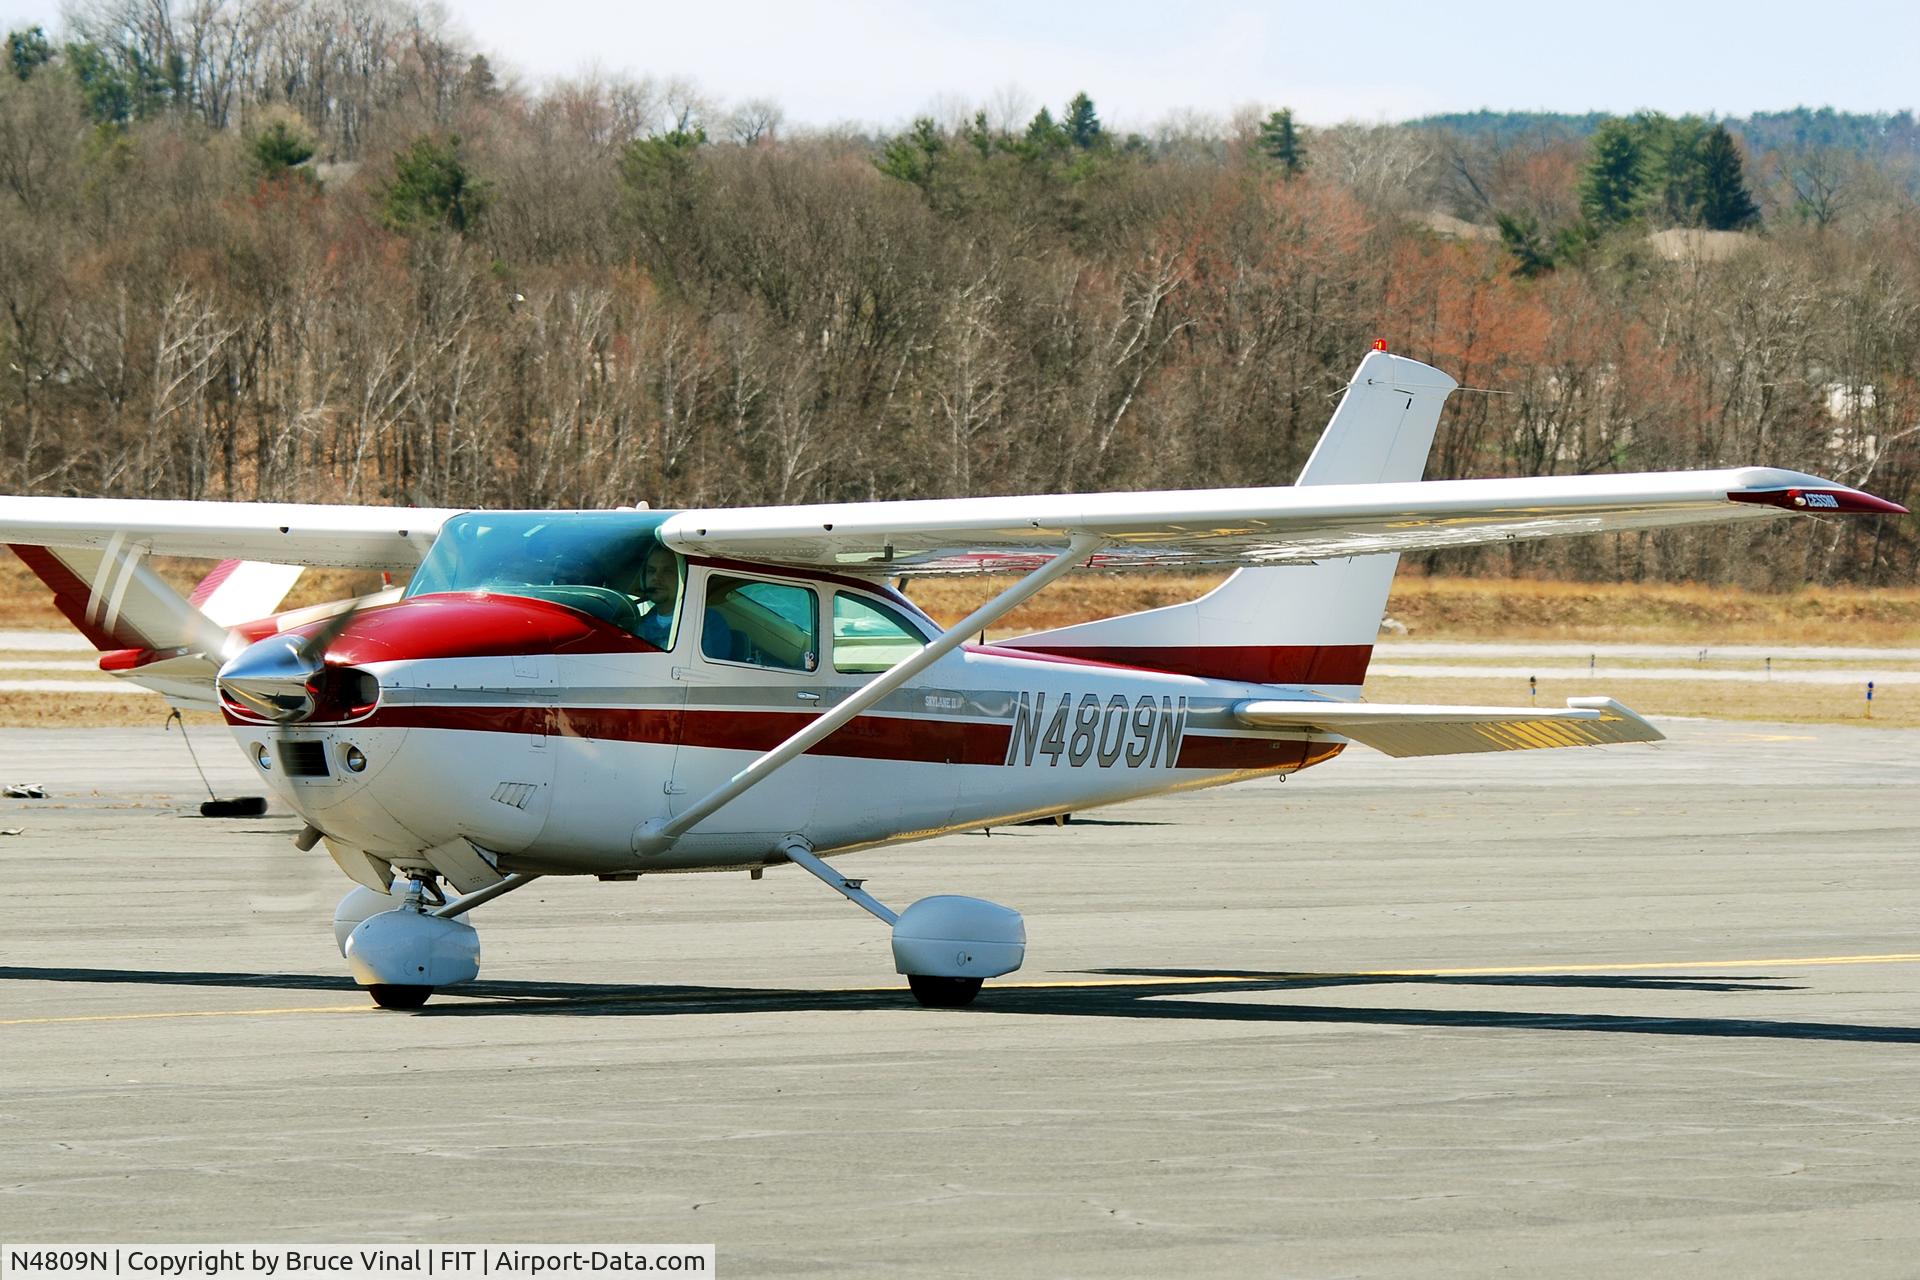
{"type": "Point", "coordinates": [239, 591]}
{"type": "Point", "coordinates": [1403, 731]}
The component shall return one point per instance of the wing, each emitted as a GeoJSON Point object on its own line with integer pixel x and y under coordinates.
{"type": "Point", "coordinates": [1248, 526]}
{"type": "Point", "coordinates": [276, 532]}
{"type": "Point", "coordinates": [1444, 731]}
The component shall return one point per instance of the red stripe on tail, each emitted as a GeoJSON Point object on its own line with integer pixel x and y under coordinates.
{"type": "Point", "coordinates": [1304, 664]}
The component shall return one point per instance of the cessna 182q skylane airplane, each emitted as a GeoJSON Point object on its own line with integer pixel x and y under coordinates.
{"type": "Point", "coordinates": [618, 693]}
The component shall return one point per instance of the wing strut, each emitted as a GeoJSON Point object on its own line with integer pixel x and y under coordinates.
{"type": "Point", "coordinates": [658, 834]}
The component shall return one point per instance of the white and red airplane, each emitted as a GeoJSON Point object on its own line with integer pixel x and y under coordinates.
{"type": "Point", "coordinates": [629, 692]}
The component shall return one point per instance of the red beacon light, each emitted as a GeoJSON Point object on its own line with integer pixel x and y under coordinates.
{"type": "Point", "coordinates": [1379, 344]}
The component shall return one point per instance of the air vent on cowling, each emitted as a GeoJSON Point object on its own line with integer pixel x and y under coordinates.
{"type": "Point", "coordinates": [304, 759]}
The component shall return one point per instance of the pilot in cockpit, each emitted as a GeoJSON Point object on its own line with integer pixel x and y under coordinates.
{"type": "Point", "coordinates": [659, 596]}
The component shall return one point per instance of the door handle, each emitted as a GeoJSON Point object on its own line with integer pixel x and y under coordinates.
{"type": "Point", "coordinates": [806, 695]}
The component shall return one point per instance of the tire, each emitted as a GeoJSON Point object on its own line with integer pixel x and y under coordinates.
{"type": "Point", "coordinates": [943, 993]}
{"type": "Point", "coordinates": [390, 995]}
{"type": "Point", "coordinates": [236, 807]}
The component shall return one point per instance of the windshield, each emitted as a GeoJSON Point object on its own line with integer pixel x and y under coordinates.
{"type": "Point", "coordinates": [593, 561]}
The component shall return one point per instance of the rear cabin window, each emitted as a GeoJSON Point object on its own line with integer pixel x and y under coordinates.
{"type": "Point", "coordinates": [869, 637]}
{"type": "Point", "coordinates": [765, 624]}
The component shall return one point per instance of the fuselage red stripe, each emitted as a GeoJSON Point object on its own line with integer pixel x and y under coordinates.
{"type": "Point", "coordinates": [867, 738]}
{"type": "Point", "coordinates": [1307, 664]}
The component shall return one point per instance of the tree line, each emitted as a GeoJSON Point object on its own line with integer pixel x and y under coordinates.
{"type": "Point", "coordinates": [319, 250]}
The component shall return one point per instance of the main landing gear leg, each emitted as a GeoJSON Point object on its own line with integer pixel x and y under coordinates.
{"type": "Point", "coordinates": [945, 945]}
{"type": "Point", "coordinates": [403, 953]}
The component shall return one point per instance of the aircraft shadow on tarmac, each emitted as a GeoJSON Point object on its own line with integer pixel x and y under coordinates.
{"type": "Point", "coordinates": [1132, 995]}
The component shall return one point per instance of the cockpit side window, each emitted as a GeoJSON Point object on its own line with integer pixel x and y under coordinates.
{"type": "Point", "coordinates": [764, 624]}
{"type": "Point", "coordinates": [868, 636]}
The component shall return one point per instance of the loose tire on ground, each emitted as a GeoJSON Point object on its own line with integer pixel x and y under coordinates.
{"type": "Point", "coordinates": [235, 807]}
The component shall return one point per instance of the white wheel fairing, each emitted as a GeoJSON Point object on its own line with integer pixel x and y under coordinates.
{"type": "Point", "coordinates": [360, 903]}
{"type": "Point", "coordinates": [954, 937]}
{"type": "Point", "coordinates": [406, 948]}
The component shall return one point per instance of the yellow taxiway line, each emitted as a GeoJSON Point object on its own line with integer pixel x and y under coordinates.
{"type": "Point", "coordinates": [1172, 980]}
{"type": "Point", "coordinates": [186, 1013]}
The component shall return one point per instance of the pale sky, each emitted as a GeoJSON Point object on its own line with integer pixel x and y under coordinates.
{"type": "Point", "coordinates": [879, 63]}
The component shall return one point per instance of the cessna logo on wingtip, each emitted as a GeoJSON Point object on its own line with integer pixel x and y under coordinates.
{"type": "Point", "coordinates": [1820, 500]}
{"type": "Point", "coordinates": [1144, 733]}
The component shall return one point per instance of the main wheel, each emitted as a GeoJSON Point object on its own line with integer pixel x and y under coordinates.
{"type": "Point", "coordinates": [943, 993]}
{"type": "Point", "coordinates": [390, 995]}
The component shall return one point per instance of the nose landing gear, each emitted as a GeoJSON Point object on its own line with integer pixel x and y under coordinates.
{"type": "Point", "coordinates": [402, 953]}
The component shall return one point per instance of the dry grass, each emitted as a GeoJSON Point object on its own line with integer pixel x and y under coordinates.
{"type": "Point", "coordinates": [1475, 609]}
{"type": "Point", "coordinates": [112, 709]}
{"type": "Point", "coordinates": [1672, 613]}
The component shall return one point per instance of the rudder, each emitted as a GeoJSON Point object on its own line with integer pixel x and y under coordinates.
{"type": "Point", "coordinates": [1310, 625]}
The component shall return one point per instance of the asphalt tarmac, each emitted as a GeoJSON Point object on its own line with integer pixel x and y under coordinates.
{"type": "Point", "coordinates": [1624, 1011]}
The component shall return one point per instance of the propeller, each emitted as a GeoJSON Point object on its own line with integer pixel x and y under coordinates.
{"type": "Point", "coordinates": [277, 678]}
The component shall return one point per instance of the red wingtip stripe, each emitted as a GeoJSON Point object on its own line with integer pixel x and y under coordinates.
{"type": "Point", "coordinates": [70, 597]}
{"type": "Point", "coordinates": [1836, 501]}
{"type": "Point", "coordinates": [212, 582]}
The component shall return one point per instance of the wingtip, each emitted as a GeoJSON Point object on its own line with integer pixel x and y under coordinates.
{"type": "Point", "coordinates": [1825, 500]}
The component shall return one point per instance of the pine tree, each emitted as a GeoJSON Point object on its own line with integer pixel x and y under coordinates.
{"type": "Point", "coordinates": [1725, 204]}
{"type": "Point", "coordinates": [1670, 168]}
{"type": "Point", "coordinates": [1520, 234]}
{"type": "Point", "coordinates": [911, 156]}
{"type": "Point", "coordinates": [1082, 126]}
{"type": "Point", "coordinates": [1280, 142]}
{"type": "Point", "coordinates": [479, 82]}
{"type": "Point", "coordinates": [1043, 135]}
{"type": "Point", "coordinates": [109, 99]}
{"type": "Point", "coordinates": [431, 186]}
{"type": "Point", "coordinates": [26, 50]}
{"type": "Point", "coordinates": [278, 149]}
{"type": "Point", "coordinates": [1611, 185]}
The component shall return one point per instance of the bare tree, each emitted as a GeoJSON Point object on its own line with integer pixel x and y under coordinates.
{"type": "Point", "coordinates": [755, 121]}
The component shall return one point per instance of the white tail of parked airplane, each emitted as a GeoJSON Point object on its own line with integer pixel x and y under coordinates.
{"type": "Point", "coordinates": [1307, 625]}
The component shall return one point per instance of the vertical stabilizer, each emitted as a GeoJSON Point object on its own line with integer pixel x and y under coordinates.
{"type": "Point", "coordinates": [1304, 625]}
